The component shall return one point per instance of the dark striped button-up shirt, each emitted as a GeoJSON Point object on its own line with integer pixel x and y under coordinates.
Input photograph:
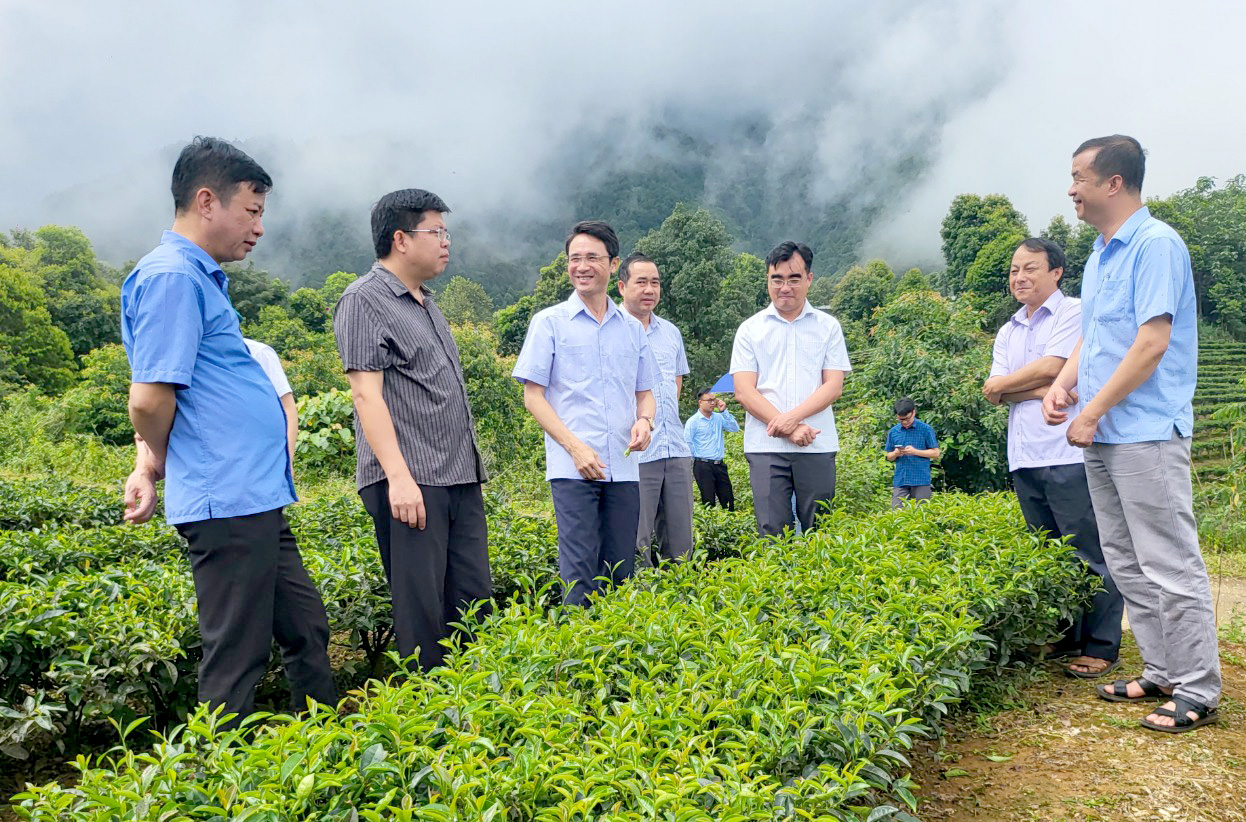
{"type": "Point", "coordinates": [380, 326]}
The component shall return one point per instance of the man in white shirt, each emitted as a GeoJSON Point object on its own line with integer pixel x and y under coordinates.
{"type": "Point", "coordinates": [271, 363]}
{"type": "Point", "coordinates": [788, 363]}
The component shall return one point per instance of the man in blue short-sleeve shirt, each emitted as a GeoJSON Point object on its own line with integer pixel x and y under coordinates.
{"type": "Point", "coordinates": [1134, 372]}
{"type": "Point", "coordinates": [207, 420]}
{"type": "Point", "coordinates": [911, 445]}
{"type": "Point", "coordinates": [585, 366]}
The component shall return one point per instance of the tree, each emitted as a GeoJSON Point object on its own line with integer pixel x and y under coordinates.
{"type": "Point", "coordinates": [971, 224]}
{"type": "Point", "coordinates": [334, 285]}
{"type": "Point", "coordinates": [309, 307]}
{"type": "Point", "coordinates": [1077, 243]}
{"type": "Point", "coordinates": [464, 301]}
{"type": "Point", "coordinates": [861, 290]}
{"type": "Point", "coordinates": [80, 301]}
{"type": "Point", "coordinates": [511, 323]}
{"type": "Point", "coordinates": [33, 351]}
{"type": "Point", "coordinates": [250, 289]}
{"type": "Point", "coordinates": [98, 404]}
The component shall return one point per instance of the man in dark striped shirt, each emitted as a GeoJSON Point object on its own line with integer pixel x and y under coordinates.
{"type": "Point", "coordinates": [419, 471]}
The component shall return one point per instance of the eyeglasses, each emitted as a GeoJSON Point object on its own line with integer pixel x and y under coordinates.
{"type": "Point", "coordinates": [591, 259]}
{"type": "Point", "coordinates": [443, 234]}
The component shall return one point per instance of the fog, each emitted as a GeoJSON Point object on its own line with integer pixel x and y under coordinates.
{"type": "Point", "coordinates": [506, 109]}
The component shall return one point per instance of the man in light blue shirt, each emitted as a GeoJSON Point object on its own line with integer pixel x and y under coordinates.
{"type": "Point", "coordinates": [1135, 370]}
{"type": "Point", "coordinates": [207, 419]}
{"type": "Point", "coordinates": [704, 432]}
{"type": "Point", "coordinates": [585, 366]}
{"type": "Point", "coordinates": [666, 465]}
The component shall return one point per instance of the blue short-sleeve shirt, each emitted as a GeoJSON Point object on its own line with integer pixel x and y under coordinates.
{"type": "Point", "coordinates": [1142, 273]}
{"type": "Point", "coordinates": [668, 361]}
{"type": "Point", "coordinates": [591, 372]}
{"type": "Point", "coordinates": [911, 470]}
{"type": "Point", "coordinates": [227, 448]}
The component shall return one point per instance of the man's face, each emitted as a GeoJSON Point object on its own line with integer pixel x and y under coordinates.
{"type": "Point", "coordinates": [425, 251]}
{"type": "Point", "coordinates": [589, 266]}
{"type": "Point", "coordinates": [1088, 192]}
{"type": "Point", "coordinates": [1031, 279]}
{"type": "Point", "coordinates": [707, 403]}
{"type": "Point", "coordinates": [643, 289]}
{"type": "Point", "coordinates": [236, 224]}
{"type": "Point", "coordinates": [906, 420]}
{"type": "Point", "coordinates": [788, 283]}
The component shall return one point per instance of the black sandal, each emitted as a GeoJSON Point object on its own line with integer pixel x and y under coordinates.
{"type": "Point", "coordinates": [1180, 715]}
{"type": "Point", "coordinates": [1118, 691]}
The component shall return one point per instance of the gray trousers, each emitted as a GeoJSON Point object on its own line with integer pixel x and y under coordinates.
{"type": "Point", "coordinates": [917, 493]}
{"type": "Point", "coordinates": [665, 509]}
{"type": "Point", "coordinates": [1056, 499]}
{"type": "Point", "coordinates": [775, 476]}
{"type": "Point", "coordinates": [1144, 506]}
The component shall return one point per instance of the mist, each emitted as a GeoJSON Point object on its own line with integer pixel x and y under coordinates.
{"type": "Point", "coordinates": [511, 112]}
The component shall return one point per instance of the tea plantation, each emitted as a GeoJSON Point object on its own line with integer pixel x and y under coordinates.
{"type": "Point", "coordinates": [762, 680]}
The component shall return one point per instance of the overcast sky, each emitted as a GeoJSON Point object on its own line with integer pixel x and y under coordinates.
{"type": "Point", "coordinates": [345, 101]}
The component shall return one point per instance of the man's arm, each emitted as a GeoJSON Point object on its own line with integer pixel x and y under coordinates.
{"type": "Point", "coordinates": [292, 424]}
{"type": "Point", "coordinates": [406, 501]}
{"type": "Point", "coordinates": [1036, 393]}
{"type": "Point", "coordinates": [748, 396]}
{"type": "Point", "coordinates": [1135, 368]}
{"type": "Point", "coordinates": [726, 419]}
{"type": "Point", "coordinates": [587, 462]}
{"type": "Point", "coordinates": [1060, 395]}
{"type": "Point", "coordinates": [1033, 375]}
{"type": "Point", "coordinates": [679, 386]}
{"type": "Point", "coordinates": [782, 425]}
{"type": "Point", "coordinates": [140, 486]}
{"type": "Point", "coordinates": [152, 406]}
{"type": "Point", "coordinates": [642, 429]}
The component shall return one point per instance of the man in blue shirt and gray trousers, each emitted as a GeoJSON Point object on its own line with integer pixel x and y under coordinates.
{"type": "Point", "coordinates": [1135, 370]}
{"type": "Point", "coordinates": [207, 420]}
{"type": "Point", "coordinates": [911, 445]}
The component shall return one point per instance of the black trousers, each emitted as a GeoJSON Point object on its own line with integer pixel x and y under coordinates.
{"type": "Point", "coordinates": [252, 588]}
{"type": "Point", "coordinates": [597, 524]}
{"type": "Point", "coordinates": [435, 573]}
{"type": "Point", "coordinates": [1056, 499]}
{"type": "Point", "coordinates": [714, 483]}
{"type": "Point", "coordinates": [776, 476]}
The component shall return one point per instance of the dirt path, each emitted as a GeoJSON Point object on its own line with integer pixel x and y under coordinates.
{"type": "Point", "coordinates": [1063, 754]}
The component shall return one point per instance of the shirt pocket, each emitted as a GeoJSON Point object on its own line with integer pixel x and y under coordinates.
{"type": "Point", "coordinates": [575, 362]}
{"type": "Point", "coordinates": [1114, 301]}
{"type": "Point", "coordinates": [625, 367]}
{"type": "Point", "coordinates": [811, 354]}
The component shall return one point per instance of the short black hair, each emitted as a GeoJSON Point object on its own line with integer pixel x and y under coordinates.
{"type": "Point", "coordinates": [903, 406]}
{"type": "Point", "coordinates": [212, 163]}
{"type": "Point", "coordinates": [625, 270]}
{"type": "Point", "coordinates": [401, 210]}
{"type": "Point", "coordinates": [599, 229]}
{"type": "Point", "coordinates": [783, 252]}
{"type": "Point", "coordinates": [1117, 154]}
{"type": "Point", "coordinates": [1055, 254]}
{"type": "Point", "coordinates": [706, 390]}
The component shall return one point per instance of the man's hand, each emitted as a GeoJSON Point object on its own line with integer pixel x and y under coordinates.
{"type": "Point", "coordinates": [642, 431]}
{"type": "Point", "coordinates": [783, 425]}
{"type": "Point", "coordinates": [1082, 430]}
{"type": "Point", "coordinates": [720, 404]}
{"type": "Point", "coordinates": [804, 435]}
{"type": "Point", "coordinates": [587, 462]}
{"type": "Point", "coordinates": [992, 392]}
{"type": "Point", "coordinates": [901, 450]}
{"type": "Point", "coordinates": [140, 497]}
{"type": "Point", "coordinates": [406, 502]}
{"type": "Point", "coordinates": [1055, 402]}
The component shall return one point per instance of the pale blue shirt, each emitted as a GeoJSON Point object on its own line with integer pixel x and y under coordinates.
{"type": "Point", "coordinates": [591, 373]}
{"type": "Point", "coordinates": [1142, 273]}
{"type": "Point", "coordinates": [705, 434]}
{"type": "Point", "coordinates": [1051, 331]}
{"type": "Point", "coordinates": [666, 347]}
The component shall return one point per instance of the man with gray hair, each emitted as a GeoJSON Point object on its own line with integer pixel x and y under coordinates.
{"type": "Point", "coordinates": [1135, 370]}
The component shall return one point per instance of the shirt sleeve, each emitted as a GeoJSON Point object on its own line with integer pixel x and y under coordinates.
{"type": "Point", "coordinates": [1067, 331]}
{"type": "Point", "coordinates": [999, 353]}
{"type": "Point", "coordinates": [836, 356]}
{"type": "Point", "coordinates": [728, 421]}
{"type": "Point", "coordinates": [688, 430]}
{"type": "Point", "coordinates": [891, 434]}
{"type": "Point", "coordinates": [1158, 278]}
{"type": "Point", "coordinates": [743, 357]}
{"type": "Point", "coordinates": [358, 334]}
{"type": "Point", "coordinates": [681, 357]}
{"type": "Point", "coordinates": [644, 370]}
{"type": "Point", "coordinates": [166, 327]}
{"type": "Point", "coordinates": [931, 440]}
{"type": "Point", "coordinates": [271, 363]}
{"type": "Point", "coordinates": [536, 358]}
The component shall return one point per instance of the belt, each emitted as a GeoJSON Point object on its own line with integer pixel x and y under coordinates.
{"type": "Point", "coordinates": [703, 459]}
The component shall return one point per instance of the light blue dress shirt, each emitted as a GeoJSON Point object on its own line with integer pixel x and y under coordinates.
{"type": "Point", "coordinates": [591, 373]}
{"type": "Point", "coordinates": [705, 434]}
{"type": "Point", "coordinates": [227, 448]}
{"type": "Point", "coordinates": [1142, 273]}
{"type": "Point", "coordinates": [666, 346]}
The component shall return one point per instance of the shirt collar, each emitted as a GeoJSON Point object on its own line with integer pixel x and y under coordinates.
{"type": "Point", "coordinates": [1128, 229]}
{"type": "Point", "coordinates": [774, 312]}
{"type": "Point", "coordinates": [211, 266]}
{"type": "Point", "coordinates": [396, 285]}
{"type": "Point", "coordinates": [577, 305]}
{"type": "Point", "coordinates": [1052, 303]}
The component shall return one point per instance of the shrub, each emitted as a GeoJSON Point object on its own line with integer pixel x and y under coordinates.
{"type": "Point", "coordinates": [326, 442]}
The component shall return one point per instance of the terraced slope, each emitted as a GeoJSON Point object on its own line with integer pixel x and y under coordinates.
{"type": "Point", "coordinates": [1221, 367]}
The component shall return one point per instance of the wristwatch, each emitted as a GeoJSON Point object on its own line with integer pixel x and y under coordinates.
{"type": "Point", "coordinates": [648, 420]}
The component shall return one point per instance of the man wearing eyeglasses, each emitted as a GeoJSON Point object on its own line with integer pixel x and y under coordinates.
{"type": "Point", "coordinates": [704, 431]}
{"type": "Point", "coordinates": [585, 368]}
{"type": "Point", "coordinates": [419, 471]}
